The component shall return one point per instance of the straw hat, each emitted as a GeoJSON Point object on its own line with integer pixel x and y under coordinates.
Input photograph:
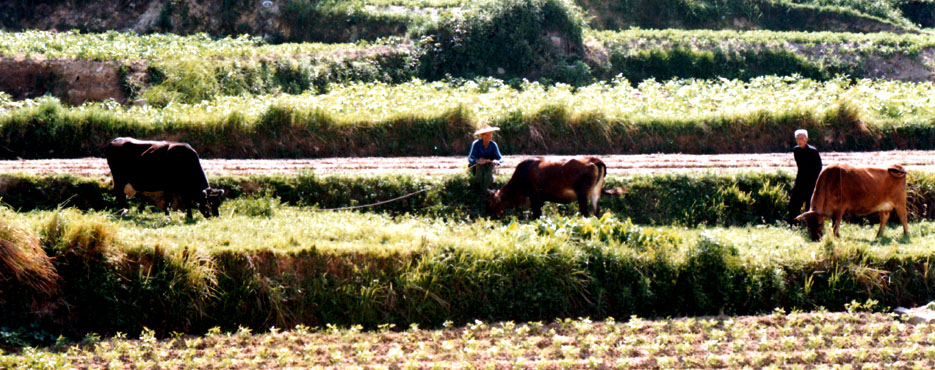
{"type": "Point", "coordinates": [486, 129]}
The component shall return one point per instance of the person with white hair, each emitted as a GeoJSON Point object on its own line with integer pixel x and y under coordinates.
{"type": "Point", "coordinates": [808, 161]}
{"type": "Point", "coordinates": [483, 157]}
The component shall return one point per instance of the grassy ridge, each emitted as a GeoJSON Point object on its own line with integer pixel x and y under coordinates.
{"type": "Point", "coordinates": [419, 118]}
{"type": "Point", "coordinates": [296, 266]}
{"type": "Point", "coordinates": [237, 63]}
{"type": "Point", "coordinates": [189, 69]}
{"type": "Point", "coordinates": [688, 200]}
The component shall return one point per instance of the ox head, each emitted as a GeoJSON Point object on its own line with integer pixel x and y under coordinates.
{"type": "Point", "coordinates": [815, 222]}
{"type": "Point", "coordinates": [498, 201]}
{"type": "Point", "coordinates": [495, 204]}
{"type": "Point", "coordinates": [210, 202]}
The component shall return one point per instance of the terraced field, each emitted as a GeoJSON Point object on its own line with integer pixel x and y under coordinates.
{"type": "Point", "coordinates": [302, 106]}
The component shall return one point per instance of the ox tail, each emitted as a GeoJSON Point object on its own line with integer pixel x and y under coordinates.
{"type": "Point", "coordinates": [896, 171]}
{"type": "Point", "coordinates": [614, 191]}
{"type": "Point", "coordinates": [602, 168]}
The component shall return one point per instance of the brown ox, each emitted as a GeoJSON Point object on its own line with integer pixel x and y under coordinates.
{"type": "Point", "coordinates": [859, 190]}
{"type": "Point", "coordinates": [538, 180]}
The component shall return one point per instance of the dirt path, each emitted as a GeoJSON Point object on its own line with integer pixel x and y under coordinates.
{"type": "Point", "coordinates": [617, 164]}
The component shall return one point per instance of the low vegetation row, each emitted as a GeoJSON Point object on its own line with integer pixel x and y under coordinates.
{"type": "Point", "coordinates": [820, 340]}
{"type": "Point", "coordinates": [683, 199]}
{"type": "Point", "coordinates": [420, 118]}
{"type": "Point", "coordinates": [73, 273]}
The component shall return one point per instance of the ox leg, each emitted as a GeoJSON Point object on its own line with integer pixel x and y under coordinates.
{"type": "Point", "coordinates": [119, 185]}
{"type": "Point", "coordinates": [838, 216]}
{"type": "Point", "coordinates": [161, 203]}
{"type": "Point", "coordinates": [901, 213]}
{"type": "Point", "coordinates": [169, 202]}
{"type": "Point", "coordinates": [536, 205]}
{"type": "Point", "coordinates": [186, 203]}
{"type": "Point", "coordinates": [583, 205]}
{"type": "Point", "coordinates": [884, 218]}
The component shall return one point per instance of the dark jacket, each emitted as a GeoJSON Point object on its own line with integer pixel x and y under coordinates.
{"type": "Point", "coordinates": [491, 152]}
{"type": "Point", "coordinates": [809, 163]}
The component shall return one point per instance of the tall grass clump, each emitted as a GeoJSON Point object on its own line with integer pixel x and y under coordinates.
{"type": "Point", "coordinates": [28, 279]}
{"type": "Point", "coordinates": [106, 287]}
{"type": "Point", "coordinates": [22, 260]}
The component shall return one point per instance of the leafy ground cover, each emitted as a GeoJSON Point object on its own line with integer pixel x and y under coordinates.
{"type": "Point", "coordinates": [114, 45]}
{"type": "Point", "coordinates": [822, 340]}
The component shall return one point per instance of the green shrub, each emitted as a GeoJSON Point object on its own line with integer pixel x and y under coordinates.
{"type": "Point", "coordinates": [191, 81]}
{"type": "Point", "coordinates": [507, 38]}
{"type": "Point", "coordinates": [328, 21]}
{"type": "Point", "coordinates": [665, 64]}
{"type": "Point", "coordinates": [804, 15]}
{"type": "Point", "coordinates": [920, 12]}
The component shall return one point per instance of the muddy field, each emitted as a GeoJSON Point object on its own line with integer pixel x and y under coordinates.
{"type": "Point", "coordinates": [617, 164]}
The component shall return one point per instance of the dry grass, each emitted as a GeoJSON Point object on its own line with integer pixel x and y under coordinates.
{"type": "Point", "coordinates": [23, 261]}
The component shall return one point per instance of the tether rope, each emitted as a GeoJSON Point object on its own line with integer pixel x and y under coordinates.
{"type": "Point", "coordinates": [375, 204]}
{"type": "Point", "coordinates": [385, 201]}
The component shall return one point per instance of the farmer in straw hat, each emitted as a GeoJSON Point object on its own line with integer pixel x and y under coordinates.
{"type": "Point", "coordinates": [483, 157]}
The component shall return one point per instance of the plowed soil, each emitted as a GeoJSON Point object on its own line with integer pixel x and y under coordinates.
{"type": "Point", "coordinates": [617, 164]}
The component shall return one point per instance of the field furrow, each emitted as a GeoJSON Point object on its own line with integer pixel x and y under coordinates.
{"type": "Point", "coordinates": [616, 164]}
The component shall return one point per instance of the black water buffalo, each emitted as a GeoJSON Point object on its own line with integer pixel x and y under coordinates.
{"type": "Point", "coordinates": [539, 180]}
{"type": "Point", "coordinates": [168, 172]}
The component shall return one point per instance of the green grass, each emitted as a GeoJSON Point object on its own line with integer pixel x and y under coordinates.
{"type": "Point", "coordinates": [750, 198]}
{"type": "Point", "coordinates": [437, 118]}
{"type": "Point", "coordinates": [877, 102]}
{"type": "Point", "coordinates": [291, 265]}
{"type": "Point", "coordinates": [844, 43]}
{"type": "Point", "coordinates": [292, 229]}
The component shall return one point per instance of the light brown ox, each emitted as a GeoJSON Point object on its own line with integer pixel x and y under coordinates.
{"type": "Point", "coordinates": [859, 190]}
{"type": "Point", "coordinates": [538, 180]}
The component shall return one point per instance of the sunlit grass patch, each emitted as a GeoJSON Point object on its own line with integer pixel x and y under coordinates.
{"type": "Point", "coordinates": [289, 228]}
{"type": "Point", "coordinates": [301, 265]}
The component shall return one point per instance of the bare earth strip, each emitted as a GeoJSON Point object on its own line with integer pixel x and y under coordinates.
{"type": "Point", "coordinates": [617, 164]}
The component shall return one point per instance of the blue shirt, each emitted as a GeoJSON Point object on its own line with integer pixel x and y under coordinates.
{"type": "Point", "coordinates": [478, 151]}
